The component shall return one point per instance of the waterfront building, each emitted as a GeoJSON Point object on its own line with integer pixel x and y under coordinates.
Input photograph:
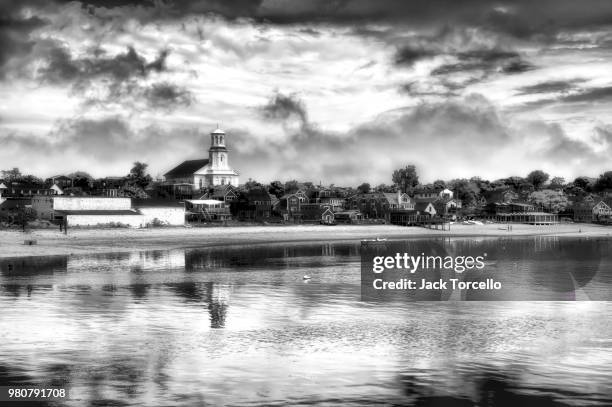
{"type": "Point", "coordinates": [202, 173]}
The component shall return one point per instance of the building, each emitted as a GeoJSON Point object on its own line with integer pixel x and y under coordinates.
{"type": "Point", "coordinates": [425, 208]}
{"type": "Point", "coordinates": [207, 210]}
{"type": "Point", "coordinates": [254, 204]}
{"type": "Point", "coordinates": [447, 207]}
{"type": "Point", "coordinates": [225, 193]}
{"type": "Point", "coordinates": [61, 181]}
{"type": "Point", "coordinates": [107, 211]}
{"type": "Point", "coordinates": [350, 216]}
{"type": "Point", "coordinates": [593, 211]}
{"type": "Point", "coordinates": [317, 213]}
{"type": "Point", "coordinates": [206, 172]}
{"type": "Point", "coordinates": [378, 205]}
{"type": "Point", "coordinates": [18, 189]}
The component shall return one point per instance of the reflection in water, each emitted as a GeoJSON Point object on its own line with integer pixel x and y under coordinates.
{"type": "Point", "coordinates": [238, 325]}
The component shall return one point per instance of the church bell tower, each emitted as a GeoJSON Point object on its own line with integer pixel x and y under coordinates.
{"type": "Point", "coordinates": [217, 153]}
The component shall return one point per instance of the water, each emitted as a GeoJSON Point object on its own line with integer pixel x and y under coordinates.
{"type": "Point", "coordinates": [239, 326]}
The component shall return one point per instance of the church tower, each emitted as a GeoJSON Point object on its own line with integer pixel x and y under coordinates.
{"type": "Point", "coordinates": [217, 153]}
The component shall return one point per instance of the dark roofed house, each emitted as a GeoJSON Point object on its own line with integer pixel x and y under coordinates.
{"type": "Point", "coordinates": [255, 204]}
{"type": "Point", "coordinates": [425, 208]}
{"type": "Point", "coordinates": [183, 173]}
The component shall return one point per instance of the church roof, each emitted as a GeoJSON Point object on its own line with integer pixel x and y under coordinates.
{"type": "Point", "coordinates": [186, 168]}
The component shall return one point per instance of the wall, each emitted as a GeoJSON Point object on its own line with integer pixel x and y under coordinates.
{"type": "Point", "coordinates": [171, 215]}
{"type": "Point", "coordinates": [43, 207]}
{"type": "Point", "coordinates": [101, 220]}
{"type": "Point", "coordinates": [77, 203]}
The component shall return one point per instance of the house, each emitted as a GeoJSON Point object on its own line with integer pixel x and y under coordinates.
{"type": "Point", "coordinates": [378, 205]}
{"type": "Point", "coordinates": [425, 208]}
{"type": "Point", "coordinates": [108, 186]}
{"type": "Point", "coordinates": [429, 196]}
{"type": "Point", "coordinates": [317, 213]}
{"type": "Point", "coordinates": [255, 204]}
{"type": "Point", "coordinates": [207, 210]}
{"type": "Point", "coordinates": [18, 189]}
{"type": "Point", "coordinates": [206, 172]}
{"type": "Point", "coordinates": [447, 207]}
{"type": "Point", "coordinates": [290, 206]}
{"type": "Point", "coordinates": [61, 181]}
{"type": "Point", "coordinates": [329, 197]}
{"type": "Point", "coordinates": [225, 193]}
{"type": "Point", "coordinates": [500, 196]}
{"type": "Point", "coordinates": [592, 212]}
{"type": "Point", "coordinates": [350, 216]}
{"type": "Point", "coordinates": [101, 211]}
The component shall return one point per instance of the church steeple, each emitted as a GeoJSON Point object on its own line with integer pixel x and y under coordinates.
{"type": "Point", "coordinates": [217, 153]}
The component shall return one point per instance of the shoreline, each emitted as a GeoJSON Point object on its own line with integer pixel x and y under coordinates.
{"type": "Point", "coordinates": [51, 242]}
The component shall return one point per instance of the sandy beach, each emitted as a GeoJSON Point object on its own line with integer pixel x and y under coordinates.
{"type": "Point", "coordinates": [52, 242]}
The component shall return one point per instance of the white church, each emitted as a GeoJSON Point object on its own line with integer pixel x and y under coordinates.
{"type": "Point", "coordinates": [206, 172]}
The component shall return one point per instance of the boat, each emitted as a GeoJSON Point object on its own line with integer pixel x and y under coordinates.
{"type": "Point", "coordinates": [377, 241]}
{"type": "Point", "coordinates": [306, 277]}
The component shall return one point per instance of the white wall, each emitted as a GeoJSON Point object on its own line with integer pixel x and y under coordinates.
{"type": "Point", "coordinates": [79, 203]}
{"type": "Point", "coordinates": [101, 220]}
{"type": "Point", "coordinates": [173, 216]}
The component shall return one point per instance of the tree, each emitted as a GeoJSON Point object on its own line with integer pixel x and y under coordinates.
{"type": "Point", "coordinates": [554, 201]}
{"type": "Point", "coordinates": [557, 182]}
{"type": "Point", "coordinates": [277, 189]}
{"type": "Point", "coordinates": [252, 184]}
{"type": "Point", "coordinates": [465, 190]}
{"type": "Point", "coordinates": [406, 178]}
{"type": "Point", "coordinates": [386, 188]}
{"type": "Point", "coordinates": [138, 175]}
{"type": "Point", "coordinates": [439, 185]}
{"type": "Point", "coordinates": [364, 188]}
{"type": "Point", "coordinates": [537, 178]}
{"type": "Point", "coordinates": [291, 186]}
{"type": "Point", "coordinates": [11, 175]}
{"type": "Point", "coordinates": [604, 182]}
{"type": "Point", "coordinates": [584, 183]}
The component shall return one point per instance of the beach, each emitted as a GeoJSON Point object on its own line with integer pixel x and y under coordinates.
{"type": "Point", "coordinates": [79, 241]}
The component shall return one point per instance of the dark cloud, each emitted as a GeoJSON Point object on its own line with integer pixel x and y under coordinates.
{"type": "Point", "coordinates": [486, 61]}
{"type": "Point", "coordinates": [519, 18]}
{"type": "Point", "coordinates": [517, 66]}
{"type": "Point", "coordinates": [574, 96]}
{"type": "Point", "coordinates": [167, 96]}
{"type": "Point", "coordinates": [283, 107]}
{"type": "Point", "coordinates": [61, 66]}
{"type": "Point", "coordinates": [15, 38]}
{"type": "Point", "coordinates": [408, 55]}
{"type": "Point", "coordinates": [121, 77]}
{"type": "Point", "coordinates": [592, 95]}
{"type": "Point", "coordinates": [549, 87]}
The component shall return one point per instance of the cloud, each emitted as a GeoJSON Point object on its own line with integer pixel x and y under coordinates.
{"type": "Point", "coordinates": [561, 86]}
{"type": "Point", "coordinates": [120, 79]}
{"type": "Point", "coordinates": [102, 146]}
{"type": "Point", "coordinates": [447, 139]}
{"type": "Point", "coordinates": [282, 107]}
{"type": "Point", "coordinates": [167, 96]}
{"type": "Point", "coordinates": [408, 55]}
{"type": "Point", "coordinates": [118, 69]}
{"type": "Point", "coordinates": [15, 39]}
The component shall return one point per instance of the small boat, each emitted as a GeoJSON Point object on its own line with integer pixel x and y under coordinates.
{"type": "Point", "coordinates": [306, 277]}
{"type": "Point", "coordinates": [377, 240]}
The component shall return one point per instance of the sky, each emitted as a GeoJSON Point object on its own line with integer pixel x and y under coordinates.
{"type": "Point", "coordinates": [341, 91]}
